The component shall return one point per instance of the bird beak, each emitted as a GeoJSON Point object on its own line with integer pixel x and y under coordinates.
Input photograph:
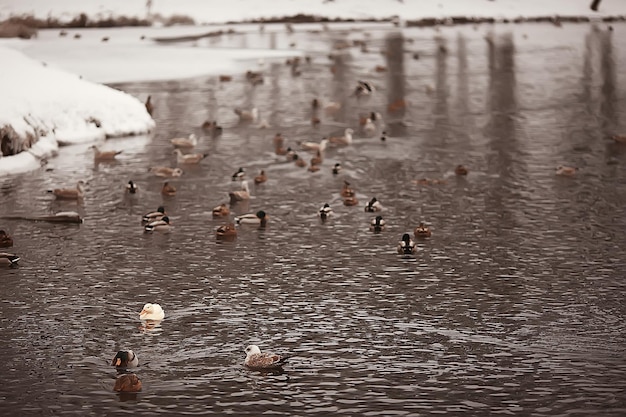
{"type": "Point", "coordinates": [116, 362]}
{"type": "Point", "coordinates": [143, 312]}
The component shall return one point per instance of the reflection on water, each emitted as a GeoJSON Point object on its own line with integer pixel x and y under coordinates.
{"type": "Point", "coordinates": [513, 306]}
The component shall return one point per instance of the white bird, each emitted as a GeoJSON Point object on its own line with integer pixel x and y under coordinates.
{"type": "Point", "coordinates": [325, 212]}
{"type": "Point", "coordinates": [247, 115]}
{"type": "Point", "coordinates": [243, 194]}
{"type": "Point", "coordinates": [260, 361]}
{"type": "Point", "coordinates": [363, 88]}
{"type": "Point", "coordinates": [373, 205]}
{"type": "Point", "coordinates": [166, 172]}
{"type": "Point", "coordinates": [191, 158]}
{"type": "Point", "coordinates": [314, 146]}
{"type": "Point", "coordinates": [152, 312]}
{"type": "Point", "coordinates": [258, 218]}
{"type": "Point", "coordinates": [346, 139]}
{"type": "Point", "coordinates": [125, 359]}
{"type": "Point", "coordinates": [188, 142]}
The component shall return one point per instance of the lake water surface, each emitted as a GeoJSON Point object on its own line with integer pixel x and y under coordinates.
{"type": "Point", "coordinates": [514, 306]}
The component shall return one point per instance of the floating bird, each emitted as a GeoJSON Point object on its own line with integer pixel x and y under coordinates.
{"type": "Point", "coordinates": [131, 187]}
{"type": "Point", "coordinates": [317, 159]}
{"type": "Point", "coordinates": [262, 361]}
{"type": "Point", "coordinates": [460, 170]}
{"type": "Point", "coordinates": [239, 175]}
{"type": "Point", "coordinates": [337, 168]}
{"type": "Point", "coordinates": [346, 139]}
{"type": "Point", "coordinates": [168, 189]}
{"type": "Point", "coordinates": [422, 231]}
{"type": "Point", "coordinates": [566, 170]}
{"type": "Point", "coordinates": [213, 128]}
{"type": "Point", "coordinates": [191, 158]}
{"type": "Point", "coordinates": [315, 146]}
{"type": "Point", "coordinates": [377, 224]}
{"type": "Point", "coordinates": [619, 138]}
{"type": "Point", "coordinates": [151, 311]}
{"type": "Point", "coordinates": [278, 140]}
{"type": "Point", "coordinates": [332, 108]}
{"type": "Point", "coordinates": [71, 193]}
{"type": "Point", "coordinates": [104, 155]}
{"type": "Point", "coordinates": [221, 210]}
{"type": "Point", "coordinates": [406, 246]}
{"type": "Point", "coordinates": [243, 194]}
{"type": "Point", "coordinates": [188, 142]}
{"type": "Point", "coordinates": [226, 232]}
{"type": "Point", "coordinates": [346, 190]}
{"type": "Point", "coordinates": [350, 201]}
{"type": "Point", "coordinates": [127, 382]}
{"type": "Point", "coordinates": [369, 128]}
{"type": "Point", "coordinates": [8, 259]}
{"type": "Point", "coordinates": [124, 359]}
{"type": "Point", "coordinates": [261, 178]}
{"type": "Point", "coordinates": [149, 105]}
{"type": "Point", "coordinates": [162, 225]}
{"type": "Point", "coordinates": [258, 218]}
{"type": "Point", "coordinates": [247, 115]}
{"type": "Point", "coordinates": [153, 215]}
{"type": "Point", "coordinates": [299, 161]}
{"type": "Point", "coordinates": [325, 212]}
{"type": "Point", "coordinates": [373, 205]}
{"type": "Point", "coordinates": [166, 172]}
{"type": "Point", "coordinates": [313, 167]}
{"type": "Point", "coordinates": [6, 241]}
{"type": "Point", "coordinates": [363, 88]}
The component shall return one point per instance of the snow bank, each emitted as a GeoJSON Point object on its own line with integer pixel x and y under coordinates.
{"type": "Point", "coordinates": [41, 102]}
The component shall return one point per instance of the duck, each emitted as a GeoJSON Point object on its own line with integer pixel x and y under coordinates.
{"type": "Point", "coordinates": [313, 167]}
{"type": "Point", "coordinates": [124, 359]}
{"type": "Point", "coordinates": [422, 231]}
{"type": "Point", "coordinates": [247, 115]}
{"type": "Point", "coordinates": [221, 210]}
{"type": "Point", "coordinates": [383, 136]}
{"type": "Point", "coordinates": [239, 175]}
{"type": "Point", "coordinates": [162, 225]}
{"type": "Point", "coordinates": [191, 158]}
{"type": "Point", "coordinates": [259, 218]}
{"type": "Point", "coordinates": [8, 259]}
{"type": "Point", "coordinates": [213, 128]}
{"type": "Point", "coordinates": [566, 170]}
{"type": "Point", "coordinates": [149, 105]}
{"type": "Point", "coordinates": [337, 168]}
{"type": "Point", "coordinates": [377, 224]}
{"type": "Point", "coordinates": [188, 142]}
{"type": "Point", "coordinates": [460, 170]}
{"type": "Point", "coordinates": [373, 205]}
{"type": "Point", "coordinates": [299, 161]}
{"type": "Point", "coordinates": [290, 155]}
{"type": "Point", "coordinates": [325, 212]}
{"type": "Point", "coordinates": [262, 361]}
{"type": "Point", "coordinates": [315, 146]}
{"type": "Point", "coordinates": [99, 155]}
{"type": "Point", "coordinates": [346, 139]}
{"type": "Point", "coordinates": [6, 241]}
{"type": "Point", "coordinates": [332, 108]}
{"type": "Point", "coordinates": [164, 172]}
{"type": "Point", "coordinates": [153, 215]}
{"type": "Point", "coordinates": [168, 189]}
{"type": "Point", "coordinates": [346, 190]}
{"type": "Point", "coordinates": [406, 246]}
{"type": "Point", "coordinates": [350, 201]}
{"type": "Point", "coordinates": [131, 187]}
{"type": "Point", "coordinates": [127, 382]}
{"type": "Point", "coordinates": [369, 128]}
{"type": "Point", "coordinates": [619, 138]}
{"type": "Point", "coordinates": [363, 88]}
{"type": "Point", "coordinates": [152, 311]}
{"type": "Point", "coordinates": [226, 232]}
{"type": "Point", "coordinates": [279, 140]}
{"type": "Point", "coordinates": [70, 193]}
{"type": "Point", "coordinates": [317, 159]}
{"type": "Point", "coordinates": [243, 194]}
{"type": "Point", "coordinates": [261, 178]}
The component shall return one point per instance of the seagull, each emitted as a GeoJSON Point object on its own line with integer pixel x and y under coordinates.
{"type": "Point", "coordinates": [262, 361]}
{"type": "Point", "coordinates": [125, 359]}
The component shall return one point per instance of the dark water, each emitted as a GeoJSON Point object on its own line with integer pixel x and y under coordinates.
{"type": "Point", "coordinates": [514, 306]}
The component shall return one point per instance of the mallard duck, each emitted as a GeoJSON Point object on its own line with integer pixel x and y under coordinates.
{"type": "Point", "coordinates": [153, 215]}
{"type": "Point", "coordinates": [422, 231]}
{"type": "Point", "coordinates": [239, 175]}
{"type": "Point", "coordinates": [168, 189]}
{"type": "Point", "coordinates": [259, 218]}
{"type": "Point", "coordinates": [221, 210]}
{"type": "Point", "coordinates": [377, 224]}
{"type": "Point", "coordinates": [166, 172]}
{"type": "Point", "coordinates": [131, 187]}
{"type": "Point", "coordinates": [162, 225]}
{"type": "Point", "coordinates": [71, 193]}
{"type": "Point", "coordinates": [188, 142]}
{"type": "Point", "coordinates": [261, 178]}
{"type": "Point", "coordinates": [350, 201]}
{"type": "Point", "coordinates": [314, 146]}
{"type": "Point", "coordinates": [243, 194]}
{"type": "Point", "coordinates": [6, 241]}
{"type": "Point", "coordinates": [124, 359]}
{"type": "Point", "coordinates": [149, 105]}
{"type": "Point", "coordinates": [325, 212]}
{"type": "Point", "coordinates": [127, 382]}
{"type": "Point", "coordinates": [566, 170]}
{"type": "Point", "coordinates": [278, 140]}
{"type": "Point", "coordinates": [299, 162]}
{"type": "Point", "coordinates": [152, 311]}
{"type": "Point", "coordinates": [363, 88]}
{"type": "Point", "coordinates": [317, 159]}
{"type": "Point", "coordinates": [247, 115]}
{"type": "Point", "coordinates": [369, 128]}
{"type": "Point", "coordinates": [460, 170]}
{"type": "Point", "coordinates": [346, 139]}
{"type": "Point", "coordinates": [190, 158]}
{"type": "Point", "coordinates": [337, 168]}
{"type": "Point", "coordinates": [262, 361]}
{"type": "Point", "coordinates": [8, 259]}
{"type": "Point", "coordinates": [99, 155]}
{"type": "Point", "coordinates": [373, 205]}
{"type": "Point", "coordinates": [226, 232]}
{"type": "Point", "coordinates": [406, 246]}
{"type": "Point", "coordinates": [346, 190]}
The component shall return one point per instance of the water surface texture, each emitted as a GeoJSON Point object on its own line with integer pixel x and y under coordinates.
{"type": "Point", "coordinates": [514, 306]}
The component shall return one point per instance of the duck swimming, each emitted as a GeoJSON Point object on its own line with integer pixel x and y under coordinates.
{"type": "Point", "coordinates": [406, 246]}
{"type": "Point", "coordinates": [131, 187]}
{"type": "Point", "coordinates": [325, 212]}
{"type": "Point", "coordinates": [190, 158]}
{"type": "Point", "coordinates": [8, 259]}
{"type": "Point", "coordinates": [239, 175]}
{"type": "Point", "coordinates": [566, 170]}
{"type": "Point", "coordinates": [153, 215]}
{"type": "Point", "coordinates": [168, 189]}
{"type": "Point", "coordinates": [346, 139]}
{"type": "Point", "coordinates": [377, 224]}
{"type": "Point", "coordinates": [6, 241]}
{"type": "Point", "coordinates": [346, 191]}
{"type": "Point", "coordinates": [243, 194]}
{"type": "Point", "coordinates": [422, 231]}
{"type": "Point", "coordinates": [124, 359]}
{"type": "Point", "coordinates": [221, 210]}
{"type": "Point", "coordinates": [226, 232]}
{"type": "Point", "coordinates": [187, 143]}
{"type": "Point", "coordinates": [262, 361]}
{"type": "Point", "coordinates": [460, 170]}
{"type": "Point", "coordinates": [70, 193]}
{"type": "Point", "coordinates": [152, 311]}
{"type": "Point", "coordinates": [373, 205]}
{"type": "Point", "coordinates": [258, 218]}
{"type": "Point", "coordinates": [127, 382]}
{"type": "Point", "coordinates": [261, 178]}
{"type": "Point", "coordinates": [162, 225]}
{"type": "Point", "coordinates": [166, 172]}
